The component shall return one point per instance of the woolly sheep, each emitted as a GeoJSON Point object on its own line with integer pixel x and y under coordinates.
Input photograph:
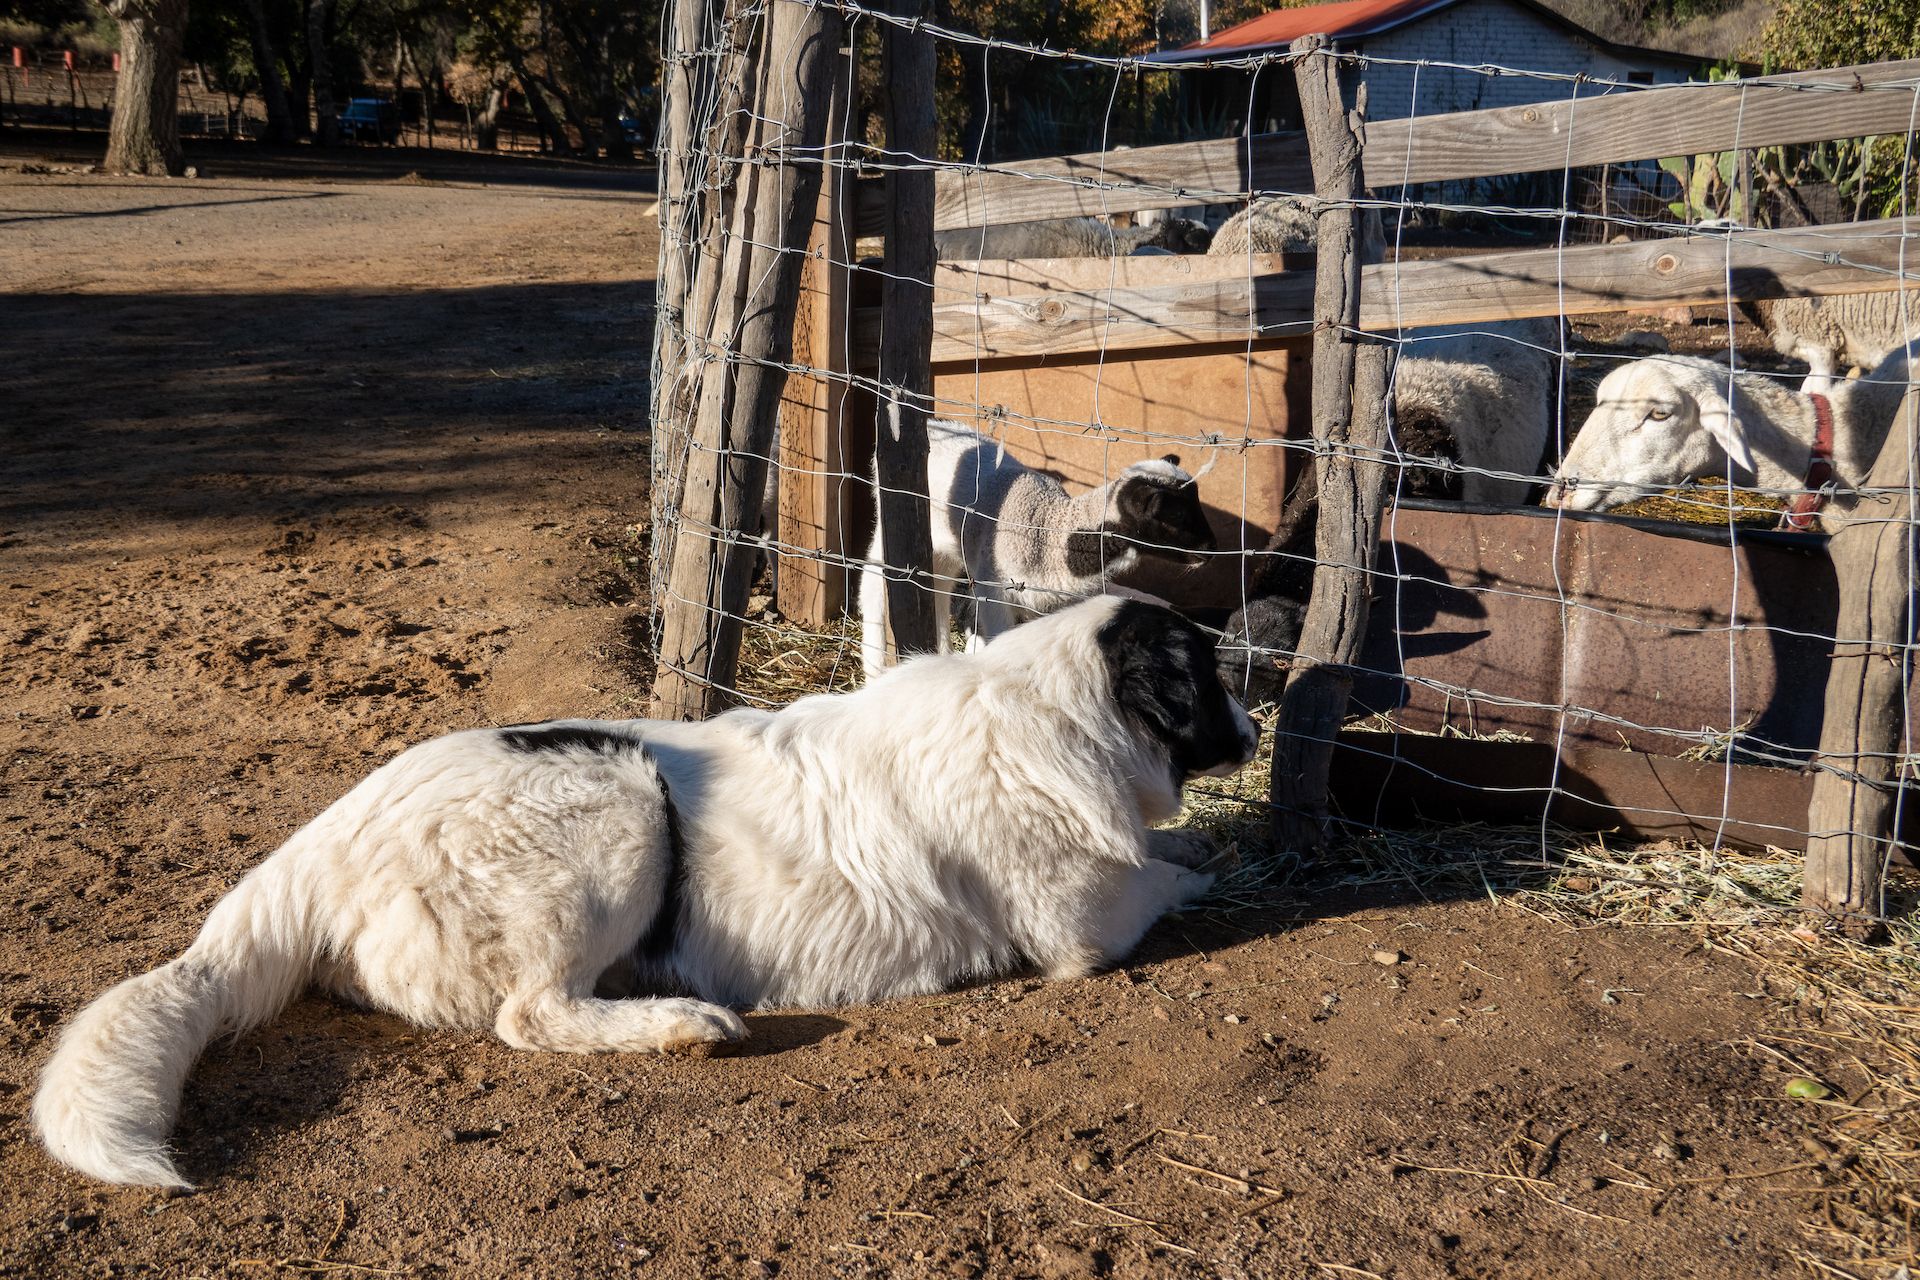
{"type": "Point", "coordinates": [1271, 224]}
{"type": "Point", "coordinates": [1663, 421]}
{"type": "Point", "coordinates": [1487, 391]}
{"type": "Point", "coordinates": [1479, 395]}
{"type": "Point", "coordinates": [1831, 334]}
{"type": "Point", "coordinates": [1067, 238]}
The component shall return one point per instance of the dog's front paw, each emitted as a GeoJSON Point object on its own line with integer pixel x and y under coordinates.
{"type": "Point", "coordinates": [1182, 847]}
{"type": "Point", "coordinates": [1192, 886]}
{"type": "Point", "coordinates": [700, 1029]}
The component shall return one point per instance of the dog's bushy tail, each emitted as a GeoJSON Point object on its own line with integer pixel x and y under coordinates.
{"type": "Point", "coordinates": [108, 1098]}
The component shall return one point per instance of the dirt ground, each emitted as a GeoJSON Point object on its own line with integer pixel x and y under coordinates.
{"type": "Point", "coordinates": [301, 469]}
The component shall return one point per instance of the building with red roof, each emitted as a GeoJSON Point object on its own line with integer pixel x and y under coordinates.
{"type": "Point", "coordinates": [1434, 56]}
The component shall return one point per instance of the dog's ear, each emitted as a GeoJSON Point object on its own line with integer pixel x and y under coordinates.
{"type": "Point", "coordinates": [1166, 682]}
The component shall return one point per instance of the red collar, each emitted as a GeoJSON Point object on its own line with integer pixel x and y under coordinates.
{"type": "Point", "coordinates": [1799, 516]}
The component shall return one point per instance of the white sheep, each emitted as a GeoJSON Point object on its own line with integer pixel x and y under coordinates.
{"type": "Point", "coordinates": [1271, 224]}
{"type": "Point", "coordinates": [1831, 334]}
{"type": "Point", "coordinates": [1067, 238]}
{"type": "Point", "coordinates": [1663, 421]}
{"type": "Point", "coordinates": [1482, 395]}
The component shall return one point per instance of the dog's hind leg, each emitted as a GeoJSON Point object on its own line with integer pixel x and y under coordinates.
{"type": "Point", "coordinates": [548, 1018]}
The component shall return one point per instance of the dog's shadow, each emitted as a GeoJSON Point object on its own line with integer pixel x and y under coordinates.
{"type": "Point", "coordinates": [771, 1033]}
{"type": "Point", "coordinates": [279, 1078]}
{"type": "Point", "coordinates": [301, 1067]}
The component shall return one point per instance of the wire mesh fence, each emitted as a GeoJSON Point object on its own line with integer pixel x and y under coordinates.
{"type": "Point", "coordinates": [1619, 425]}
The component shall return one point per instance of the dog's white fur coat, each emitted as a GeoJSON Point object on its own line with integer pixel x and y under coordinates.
{"type": "Point", "coordinates": [958, 814]}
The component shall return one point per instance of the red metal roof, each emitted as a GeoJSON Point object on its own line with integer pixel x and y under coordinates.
{"type": "Point", "coordinates": [1344, 19]}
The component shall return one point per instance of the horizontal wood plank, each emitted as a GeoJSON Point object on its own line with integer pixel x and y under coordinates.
{"type": "Point", "coordinates": [1220, 302]}
{"type": "Point", "coordinates": [1585, 127]}
{"type": "Point", "coordinates": [957, 280]}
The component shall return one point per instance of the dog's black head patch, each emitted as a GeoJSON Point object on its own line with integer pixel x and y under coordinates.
{"type": "Point", "coordinates": [1166, 680]}
{"type": "Point", "coordinates": [1162, 511]}
{"type": "Point", "coordinates": [530, 738]}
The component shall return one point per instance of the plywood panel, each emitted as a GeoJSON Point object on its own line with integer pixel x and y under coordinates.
{"type": "Point", "coordinates": [1223, 409]}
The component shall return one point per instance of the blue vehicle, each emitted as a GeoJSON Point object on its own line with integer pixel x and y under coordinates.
{"type": "Point", "coordinates": [370, 119]}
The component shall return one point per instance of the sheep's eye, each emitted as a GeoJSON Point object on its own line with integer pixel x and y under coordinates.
{"type": "Point", "coordinates": [1659, 415]}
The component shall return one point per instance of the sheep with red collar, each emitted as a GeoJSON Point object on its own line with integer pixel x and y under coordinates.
{"type": "Point", "coordinates": [1664, 421]}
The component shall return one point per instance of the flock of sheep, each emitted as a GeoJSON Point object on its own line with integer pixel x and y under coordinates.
{"type": "Point", "coordinates": [1474, 405]}
{"type": "Point", "coordinates": [1473, 414]}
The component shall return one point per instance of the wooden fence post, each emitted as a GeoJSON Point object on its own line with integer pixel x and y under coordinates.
{"type": "Point", "coordinates": [1850, 822]}
{"type": "Point", "coordinates": [679, 214]}
{"type": "Point", "coordinates": [815, 458]}
{"type": "Point", "coordinates": [906, 336]}
{"type": "Point", "coordinates": [748, 341]}
{"type": "Point", "coordinates": [1349, 437]}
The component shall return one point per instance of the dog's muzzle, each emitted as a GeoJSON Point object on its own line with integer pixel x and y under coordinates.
{"type": "Point", "coordinates": [1249, 742]}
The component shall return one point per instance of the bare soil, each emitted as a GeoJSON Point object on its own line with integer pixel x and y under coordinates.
{"type": "Point", "coordinates": [301, 469]}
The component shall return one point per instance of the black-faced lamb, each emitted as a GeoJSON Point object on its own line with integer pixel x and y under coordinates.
{"type": "Point", "coordinates": [1022, 545]}
{"type": "Point", "coordinates": [1482, 396]}
{"type": "Point", "coordinates": [1666, 420]}
{"type": "Point", "coordinates": [1069, 238]}
{"type": "Point", "coordinates": [1834, 334]}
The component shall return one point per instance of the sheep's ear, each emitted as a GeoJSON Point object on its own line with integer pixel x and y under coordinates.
{"type": "Point", "coordinates": [1138, 499]}
{"type": "Point", "coordinates": [1724, 424]}
{"type": "Point", "coordinates": [1172, 459]}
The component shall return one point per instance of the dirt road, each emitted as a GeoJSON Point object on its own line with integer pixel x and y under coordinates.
{"type": "Point", "coordinates": [303, 468]}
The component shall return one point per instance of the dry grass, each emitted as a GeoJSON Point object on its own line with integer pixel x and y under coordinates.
{"type": "Point", "coordinates": [1706, 502]}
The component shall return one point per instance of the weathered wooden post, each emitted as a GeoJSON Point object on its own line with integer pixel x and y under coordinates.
{"type": "Point", "coordinates": [816, 462]}
{"type": "Point", "coordinates": [1864, 736]}
{"type": "Point", "coordinates": [679, 213]}
{"type": "Point", "coordinates": [906, 333]}
{"type": "Point", "coordinates": [747, 342]}
{"type": "Point", "coordinates": [1350, 439]}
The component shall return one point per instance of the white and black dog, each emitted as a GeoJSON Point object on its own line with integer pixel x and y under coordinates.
{"type": "Point", "coordinates": [958, 815]}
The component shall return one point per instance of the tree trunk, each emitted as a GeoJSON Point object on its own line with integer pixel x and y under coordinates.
{"type": "Point", "coordinates": [326, 117]}
{"type": "Point", "coordinates": [145, 136]}
{"type": "Point", "coordinates": [273, 91]}
{"type": "Point", "coordinates": [712, 562]}
{"type": "Point", "coordinates": [300, 99]}
{"type": "Point", "coordinates": [1349, 432]}
{"type": "Point", "coordinates": [906, 336]}
{"type": "Point", "coordinates": [607, 90]}
{"type": "Point", "coordinates": [543, 117]}
{"type": "Point", "coordinates": [486, 127]}
{"type": "Point", "coordinates": [1864, 735]}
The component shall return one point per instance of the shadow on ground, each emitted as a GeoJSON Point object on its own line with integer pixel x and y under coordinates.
{"type": "Point", "coordinates": [182, 407]}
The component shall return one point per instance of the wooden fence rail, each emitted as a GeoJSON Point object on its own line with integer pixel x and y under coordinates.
{"type": "Point", "coordinates": [1176, 301]}
{"type": "Point", "coordinates": [1584, 128]}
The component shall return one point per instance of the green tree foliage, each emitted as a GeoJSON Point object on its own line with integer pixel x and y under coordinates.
{"type": "Point", "coordinates": [580, 66]}
{"type": "Point", "coordinates": [1825, 33]}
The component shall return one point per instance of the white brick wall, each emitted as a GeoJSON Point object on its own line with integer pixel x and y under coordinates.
{"type": "Point", "coordinates": [1486, 31]}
